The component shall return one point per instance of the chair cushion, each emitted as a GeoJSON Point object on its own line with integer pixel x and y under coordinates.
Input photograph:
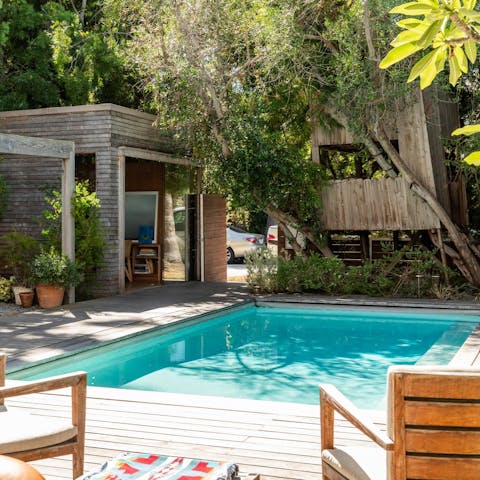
{"type": "Point", "coordinates": [20, 432]}
{"type": "Point", "coordinates": [357, 463]}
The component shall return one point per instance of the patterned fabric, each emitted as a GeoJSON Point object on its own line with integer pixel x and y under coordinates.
{"type": "Point", "coordinates": [146, 466]}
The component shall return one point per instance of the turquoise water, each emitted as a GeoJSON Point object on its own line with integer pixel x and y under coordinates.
{"type": "Point", "coordinates": [278, 354]}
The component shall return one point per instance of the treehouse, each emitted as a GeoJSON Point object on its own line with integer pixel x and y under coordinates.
{"type": "Point", "coordinates": [363, 205]}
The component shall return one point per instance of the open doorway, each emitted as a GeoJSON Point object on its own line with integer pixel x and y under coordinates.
{"type": "Point", "coordinates": [178, 223]}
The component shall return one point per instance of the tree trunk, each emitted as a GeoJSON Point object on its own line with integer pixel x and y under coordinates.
{"type": "Point", "coordinates": [283, 218]}
{"type": "Point", "coordinates": [468, 262]}
{"type": "Point", "coordinates": [170, 241]}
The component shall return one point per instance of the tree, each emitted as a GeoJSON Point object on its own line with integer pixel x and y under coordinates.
{"type": "Point", "coordinates": [450, 30]}
{"type": "Point", "coordinates": [358, 95]}
{"type": "Point", "coordinates": [218, 73]}
{"type": "Point", "coordinates": [240, 80]}
{"type": "Point", "coordinates": [61, 53]}
{"type": "Point", "coordinates": [26, 73]}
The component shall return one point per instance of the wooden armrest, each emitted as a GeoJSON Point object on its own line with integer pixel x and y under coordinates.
{"type": "Point", "coordinates": [332, 399]}
{"type": "Point", "coordinates": [51, 383]}
{"type": "Point", "coordinates": [3, 368]}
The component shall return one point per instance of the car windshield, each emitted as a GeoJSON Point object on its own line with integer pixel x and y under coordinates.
{"type": "Point", "coordinates": [237, 229]}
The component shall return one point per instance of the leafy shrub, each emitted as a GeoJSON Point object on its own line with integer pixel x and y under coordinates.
{"type": "Point", "coordinates": [6, 289]}
{"type": "Point", "coordinates": [261, 270]}
{"type": "Point", "coordinates": [321, 274]}
{"type": "Point", "coordinates": [410, 272]}
{"type": "Point", "coordinates": [367, 279]}
{"type": "Point", "coordinates": [53, 268]}
{"type": "Point", "coordinates": [89, 233]}
{"type": "Point", "coordinates": [16, 255]}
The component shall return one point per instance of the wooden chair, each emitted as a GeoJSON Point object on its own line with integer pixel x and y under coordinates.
{"type": "Point", "coordinates": [433, 428]}
{"type": "Point", "coordinates": [31, 437]}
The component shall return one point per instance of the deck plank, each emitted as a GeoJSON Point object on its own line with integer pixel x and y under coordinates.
{"type": "Point", "coordinates": [277, 440]}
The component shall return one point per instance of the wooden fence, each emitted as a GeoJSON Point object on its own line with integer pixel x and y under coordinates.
{"type": "Point", "coordinates": [384, 204]}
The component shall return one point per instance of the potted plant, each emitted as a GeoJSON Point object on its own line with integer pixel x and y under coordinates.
{"type": "Point", "coordinates": [16, 256]}
{"type": "Point", "coordinates": [52, 272]}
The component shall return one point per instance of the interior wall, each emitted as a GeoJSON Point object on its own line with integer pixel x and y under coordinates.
{"type": "Point", "coordinates": [147, 176]}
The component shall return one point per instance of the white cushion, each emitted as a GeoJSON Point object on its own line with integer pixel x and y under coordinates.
{"type": "Point", "coordinates": [357, 463]}
{"type": "Point", "coordinates": [20, 432]}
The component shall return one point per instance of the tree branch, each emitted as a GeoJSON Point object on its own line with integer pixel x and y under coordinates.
{"type": "Point", "coordinates": [469, 31]}
{"type": "Point", "coordinates": [372, 53]}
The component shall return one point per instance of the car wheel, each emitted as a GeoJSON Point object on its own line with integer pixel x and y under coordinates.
{"type": "Point", "coordinates": [230, 255]}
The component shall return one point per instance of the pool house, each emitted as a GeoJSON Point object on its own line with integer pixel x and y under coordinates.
{"type": "Point", "coordinates": [147, 184]}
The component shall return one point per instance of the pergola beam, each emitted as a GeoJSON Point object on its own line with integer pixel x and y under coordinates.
{"type": "Point", "coordinates": [34, 146]}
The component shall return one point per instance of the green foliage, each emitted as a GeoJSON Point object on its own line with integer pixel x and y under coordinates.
{"type": "Point", "coordinates": [6, 289]}
{"type": "Point", "coordinates": [53, 268]}
{"type": "Point", "coordinates": [16, 255]}
{"type": "Point", "coordinates": [449, 31]}
{"type": "Point", "coordinates": [264, 172]}
{"type": "Point", "coordinates": [55, 54]}
{"type": "Point", "coordinates": [345, 70]}
{"type": "Point", "coordinates": [310, 274]}
{"type": "Point", "coordinates": [89, 233]}
{"type": "Point", "coordinates": [261, 268]}
{"type": "Point", "coordinates": [410, 272]}
{"type": "Point", "coordinates": [221, 75]}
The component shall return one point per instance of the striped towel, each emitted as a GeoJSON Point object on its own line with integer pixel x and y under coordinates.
{"type": "Point", "coordinates": [146, 466]}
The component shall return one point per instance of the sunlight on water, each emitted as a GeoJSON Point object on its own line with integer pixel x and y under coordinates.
{"type": "Point", "coordinates": [275, 354]}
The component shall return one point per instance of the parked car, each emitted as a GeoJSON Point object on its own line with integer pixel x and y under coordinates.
{"type": "Point", "coordinates": [239, 242]}
{"type": "Point", "coordinates": [272, 238]}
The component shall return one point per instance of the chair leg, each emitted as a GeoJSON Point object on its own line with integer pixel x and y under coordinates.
{"type": "Point", "coordinates": [77, 463]}
{"type": "Point", "coordinates": [128, 269]}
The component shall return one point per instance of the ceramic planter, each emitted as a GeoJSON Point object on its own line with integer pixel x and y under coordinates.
{"type": "Point", "coordinates": [49, 296]}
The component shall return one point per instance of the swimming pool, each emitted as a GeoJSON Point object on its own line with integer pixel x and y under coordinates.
{"type": "Point", "coordinates": [265, 353]}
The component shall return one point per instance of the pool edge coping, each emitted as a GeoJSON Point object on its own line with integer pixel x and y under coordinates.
{"type": "Point", "coordinates": [194, 319]}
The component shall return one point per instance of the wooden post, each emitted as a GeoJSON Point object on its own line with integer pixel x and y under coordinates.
{"type": "Point", "coordinates": [68, 222]}
{"type": "Point", "coordinates": [3, 371]}
{"type": "Point", "coordinates": [121, 221]}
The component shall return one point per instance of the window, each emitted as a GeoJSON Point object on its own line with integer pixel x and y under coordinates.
{"type": "Point", "coordinates": [141, 209]}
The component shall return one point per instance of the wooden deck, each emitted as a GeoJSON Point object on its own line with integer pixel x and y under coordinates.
{"type": "Point", "coordinates": [277, 440]}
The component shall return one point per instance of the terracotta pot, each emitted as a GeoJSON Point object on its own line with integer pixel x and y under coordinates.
{"type": "Point", "coordinates": [49, 296]}
{"type": "Point", "coordinates": [17, 289]}
{"type": "Point", "coordinates": [26, 299]}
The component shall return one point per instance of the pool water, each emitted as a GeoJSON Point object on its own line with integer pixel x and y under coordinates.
{"type": "Point", "coordinates": [278, 354]}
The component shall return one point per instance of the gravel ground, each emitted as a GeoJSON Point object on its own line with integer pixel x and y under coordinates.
{"type": "Point", "coordinates": [10, 308]}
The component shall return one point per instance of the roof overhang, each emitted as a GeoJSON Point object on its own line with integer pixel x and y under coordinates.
{"type": "Point", "coordinates": [155, 156]}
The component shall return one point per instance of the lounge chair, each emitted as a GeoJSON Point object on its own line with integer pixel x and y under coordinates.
{"type": "Point", "coordinates": [30, 436]}
{"type": "Point", "coordinates": [433, 428]}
